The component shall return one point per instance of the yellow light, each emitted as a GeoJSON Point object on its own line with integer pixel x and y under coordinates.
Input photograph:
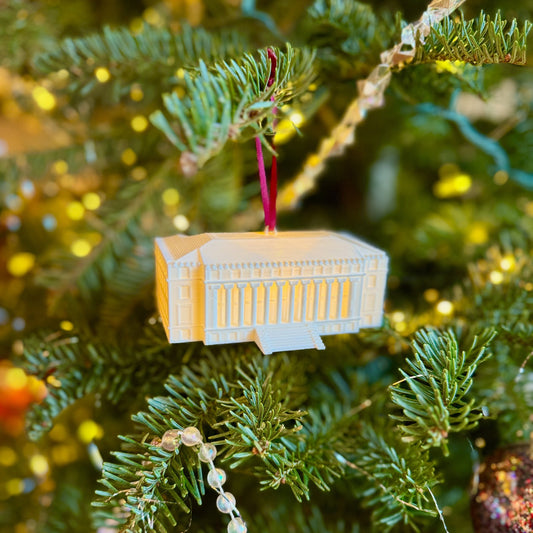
{"type": "Point", "coordinates": [181, 223]}
{"type": "Point", "coordinates": [431, 295]}
{"type": "Point", "coordinates": [60, 167]}
{"type": "Point", "coordinates": [297, 118]}
{"type": "Point", "coordinates": [400, 327]}
{"type": "Point", "coordinates": [137, 25]}
{"type": "Point", "coordinates": [53, 381]}
{"type": "Point", "coordinates": [477, 234]}
{"type": "Point", "coordinates": [8, 457]}
{"type": "Point", "coordinates": [81, 247]}
{"type": "Point", "coordinates": [508, 263]}
{"type": "Point", "coordinates": [20, 264]}
{"type": "Point", "coordinates": [62, 74]}
{"type": "Point", "coordinates": [398, 316]}
{"type": "Point", "coordinates": [139, 123]}
{"type": "Point", "coordinates": [102, 74]}
{"type": "Point", "coordinates": [284, 131]}
{"type": "Point", "coordinates": [462, 183]}
{"type": "Point", "coordinates": [171, 197]}
{"type": "Point", "coordinates": [66, 325]}
{"type": "Point", "coordinates": [152, 16]}
{"type": "Point", "coordinates": [444, 307]}
{"type": "Point", "coordinates": [480, 442]}
{"type": "Point", "coordinates": [313, 160]}
{"type": "Point", "coordinates": [39, 465]}
{"type": "Point", "coordinates": [529, 209]}
{"type": "Point", "coordinates": [501, 177]}
{"type": "Point", "coordinates": [16, 378]}
{"type": "Point", "coordinates": [496, 277]}
{"type": "Point", "coordinates": [449, 66]}
{"type": "Point", "coordinates": [91, 201]}
{"type": "Point", "coordinates": [44, 98]}
{"type": "Point", "coordinates": [75, 210]}
{"type": "Point", "coordinates": [180, 73]}
{"type": "Point", "coordinates": [452, 185]}
{"type": "Point", "coordinates": [528, 286]}
{"type": "Point", "coordinates": [136, 93]}
{"type": "Point", "coordinates": [139, 173]}
{"type": "Point", "coordinates": [129, 157]}
{"type": "Point", "coordinates": [15, 486]}
{"type": "Point", "coordinates": [89, 430]}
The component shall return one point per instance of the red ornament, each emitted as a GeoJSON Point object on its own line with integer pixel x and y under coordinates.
{"type": "Point", "coordinates": [503, 502]}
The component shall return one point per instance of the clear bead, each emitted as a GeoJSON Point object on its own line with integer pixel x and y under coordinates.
{"type": "Point", "coordinates": [191, 436]}
{"type": "Point", "coordinates": [237, 525]}
{"type": "Point", "coordinates": [226, 502]}
{"type": "Point", "coordinates": [207, 452]}
{"type": "Point", "coordinates": [216, 478]}
{"type": "Point", "coordinates": [170, 440]}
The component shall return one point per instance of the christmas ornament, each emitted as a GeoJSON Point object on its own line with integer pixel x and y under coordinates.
{"type": "Point", "coordinates": [280, 290]}
{"type": "Point", "coordinates": [503, 499]}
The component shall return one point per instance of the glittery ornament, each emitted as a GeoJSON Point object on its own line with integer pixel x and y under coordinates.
{"type": "Point", "coordinates": [503, 502]}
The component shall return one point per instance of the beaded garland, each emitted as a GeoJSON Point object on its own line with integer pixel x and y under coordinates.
{"type": "Point", "coordinates": [216, 477]}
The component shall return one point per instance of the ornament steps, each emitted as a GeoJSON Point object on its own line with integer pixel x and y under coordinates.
{"type": "Point", "coordinates": [281, 339]}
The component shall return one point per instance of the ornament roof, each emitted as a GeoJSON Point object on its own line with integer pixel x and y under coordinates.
{"type": "Point", "coordinates": [214, 249]}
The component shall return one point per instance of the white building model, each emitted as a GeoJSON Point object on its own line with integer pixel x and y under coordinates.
{"type": "Point", "coordinates": [280, 290]}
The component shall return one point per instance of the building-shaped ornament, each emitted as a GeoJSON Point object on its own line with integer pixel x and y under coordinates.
{"type": "Point", "coordinates": [280, 290]}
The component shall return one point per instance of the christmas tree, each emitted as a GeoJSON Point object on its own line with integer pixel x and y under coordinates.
{"type": "Point", "coordinates": [408, 124]}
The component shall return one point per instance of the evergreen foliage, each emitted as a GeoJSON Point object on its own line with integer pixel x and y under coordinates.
{"type": "Point", "coordinates": [231, 101]}
{"type": "Point", "coordinates": [477, 41]}
{"type": "Point", "coordinates": [154, 53]}
{"type": "Point", "coordinates": [325, 442]}
{"type": "Point", "coordinates": [433, 393]}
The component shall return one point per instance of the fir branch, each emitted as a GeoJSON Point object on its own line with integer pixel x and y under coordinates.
{"type": "Point", "coordinates": [348, 35]}
{"type": "Point", "coordinates": [154, 484]}
{"type": "Point", "coordinates": [477, 41]}
{"type": "Point", "coordinates": [122, 261]}
{"type": "Point", "coordinates": [76, 366]}
{"type": "Point", "coordinates": [230, 100]}
{"type": "Point", "coordinates": [393, 477]}
{"type": "Point", "coordinates": [433, 395]}
{"type": "Point", "coordinates": [154, 53]}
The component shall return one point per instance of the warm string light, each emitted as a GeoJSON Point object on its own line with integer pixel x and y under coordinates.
{"type": "Point", "coordinates": [216, 477]}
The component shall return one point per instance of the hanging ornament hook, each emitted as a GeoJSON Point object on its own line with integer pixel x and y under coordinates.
{"type": "Point", "coordinates": [269, 194]}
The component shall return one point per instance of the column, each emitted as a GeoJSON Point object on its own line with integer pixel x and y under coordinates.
{"type": "Point", "coordinates": [305, 284]}
{"type": "Point", "coordinates": [254, 285]}
{"type": "Point", "coordinates": [212, 305]}
{"type": "Point", "coordinates": [267, 285]}
{"type": "Point", "coordinates": [329, 283]}
{"type": "Point", "coordinates": [242, 300]}
{"type": "Point", "coordinates": [227, 288]}
{"type": "Point", "coordinates": [292, 298]}
{"type": "Point", "coordinates": [355, 303]}
{"type": "Point", "coordinates": [318, 284]}
{"type": "Point", "coordinates": [339, 297]}
{"type": "Point", "coordinates": [279, 286]}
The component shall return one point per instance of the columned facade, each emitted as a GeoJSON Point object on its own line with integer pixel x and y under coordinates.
{"type": "Point", "coordinates": [238, 305]}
